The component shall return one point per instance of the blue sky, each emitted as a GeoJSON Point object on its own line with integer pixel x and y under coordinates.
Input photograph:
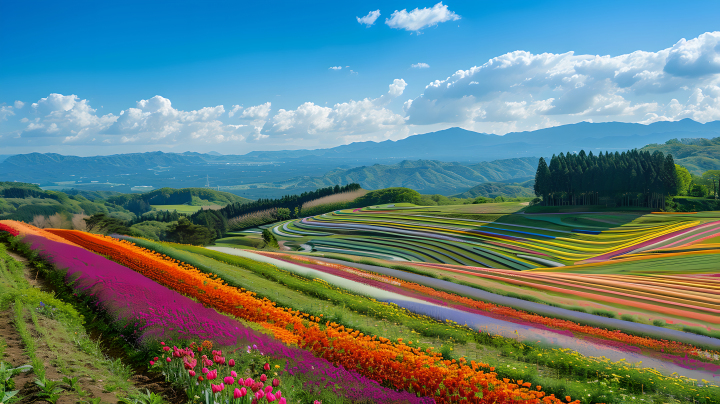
{"type": "Point", "coordinates": [101, 77]}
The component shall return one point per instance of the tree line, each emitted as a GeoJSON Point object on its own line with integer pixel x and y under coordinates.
{"type": "Point", "coordinates": [632, 178]}
{"type": "Point", "coordinates": [292, 202]}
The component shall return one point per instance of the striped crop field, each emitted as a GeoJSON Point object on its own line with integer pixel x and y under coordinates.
{"type": "Point", "coordinates": [640, 267]}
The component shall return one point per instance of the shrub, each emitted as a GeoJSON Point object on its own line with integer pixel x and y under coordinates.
{"type": "Point", "coordinates": [604, 313]}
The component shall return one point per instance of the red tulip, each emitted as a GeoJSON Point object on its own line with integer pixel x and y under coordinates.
{"type": "Point", "coordinates": [266, 367]}
{"type": "Point", "coordinates": [231, 362]}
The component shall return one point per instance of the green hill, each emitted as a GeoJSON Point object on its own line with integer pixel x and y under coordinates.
{"type": "Point", "coordinates": [424, 176]}
{"type": "Point", "coordinates": [22, 201]}
{"type": "Point", "coordinates": [183, 196]}
{"type": "Point", "coordinates": [696, 154]}
{"type": "Point", "coordinates": [495, 189]}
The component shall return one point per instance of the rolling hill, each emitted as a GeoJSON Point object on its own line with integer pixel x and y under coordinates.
{"type": "Point", "coordinates": [233, 173]}
{"type": "Point", "coordinates": [696, 154]}
{"type": "Point", "coordinates": [424, 176]}
{"type": "Point", "coordinates": [494, 189]}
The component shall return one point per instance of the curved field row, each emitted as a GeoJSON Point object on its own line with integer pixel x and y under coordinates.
{"type": "Point", "coordinates": [516, 242]}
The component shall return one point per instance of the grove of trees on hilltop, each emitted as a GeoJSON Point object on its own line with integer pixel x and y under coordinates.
{"type": "Point", "coordinates": [632, 178]}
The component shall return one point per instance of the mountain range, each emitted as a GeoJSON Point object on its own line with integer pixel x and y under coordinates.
{"type": "Point", "coordinates": [457, 144]}
{"type": "Point", "coordinates": [424, 161]}
{"type": "Point", "coordinates": [424, 176]}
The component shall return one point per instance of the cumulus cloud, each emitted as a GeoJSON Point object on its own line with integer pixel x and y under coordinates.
{"type": "Point", "coordinates": [235, 109]}
{"type": "Point", "coordinates": [523, 89]}
{"type": "Point", "coordinates": [257, 112]}
{"type": "Point", "coordinates": [369, 19]}
{"type": "Point", "coordinates": [343, 119]}
{"type": "Point", "coordinates": [5, 112]}
{"type": "Point", "coordinates": [419, 19]}
{"type": "Point", "coordinates": [19, 104]}
{"type": "Point", "coordinates": [420, 66]}
{"type": "Point", "coordinates": [335, 68]}
{"type": "Point", "coordinates": [68, 119]}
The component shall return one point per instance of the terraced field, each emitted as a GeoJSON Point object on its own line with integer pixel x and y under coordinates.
{"type": "Point", "coordinates": [642, 267]}
{"type": "Point", "coordinates": [489, 237]}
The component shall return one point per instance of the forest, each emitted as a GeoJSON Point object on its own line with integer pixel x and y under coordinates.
{"type": "Point", "coordinates": [632, 178]}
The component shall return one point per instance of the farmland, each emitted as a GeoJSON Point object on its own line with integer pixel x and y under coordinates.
{"type": "Point", "coordinates": [581, 307]}
{"type": "Point", "coordinates": [626, 265]}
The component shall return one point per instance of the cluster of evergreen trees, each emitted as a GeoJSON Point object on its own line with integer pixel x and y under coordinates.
{"type": "Point", "coordinates": [291, 202]}
{"type": "Point", "coordinates": [632, 178]}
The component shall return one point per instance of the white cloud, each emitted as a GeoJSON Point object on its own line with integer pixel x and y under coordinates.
{"type": "Point", "coordinates": [234, 110]}
{"type": "Point", "coordinates": [369, 19]}
{"type": "Point", "coordinates": [522, 90]}
{"type": "Point", "coordinates": [19, 104]}
{"type": "Point", "coordinates": [343, 119]}
{"type": "Point", "coordinates": [420, 66]}
{"type": "Point", "coordinates": [5, 112]}
{"type": "Point", "coordinates": [397, 87]}
{"type": "Point", "coordinates": [257, 112]}
{"type": "Point", "coordinates": [71, 120]}
{"type": "Point", "coordinates": [419, 19]}
{"type": "Point", "coordinates": [515, 91]}
{"type": "Point", "coordinates": [335, 68]}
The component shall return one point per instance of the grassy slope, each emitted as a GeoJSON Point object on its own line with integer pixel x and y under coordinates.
{"type": "Point", "coordinates": [54, 340]}
{"type": "Point", "coordinates": [697, 155]}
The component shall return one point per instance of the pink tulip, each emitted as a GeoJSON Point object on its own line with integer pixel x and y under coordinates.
{"type": "Point", "coordinates": [282, 400]}
{"type": "Point", "coordinates": [191, 373]}
{"type": "Point", "coordinates": [229, 380]}
{"type": "Point", "coordinates": [243, 391]}
{"type": "Point", "coordinates": [275, 382]}
{"type": "Point", "coordinates": [317, 402]}
{"type": "Point", "coordinates": [268, 389]}
{"type": "Point", "coordinates": [152, 363]}
{"type": "Point", "coordinates": [263, 378]}
{"type": "Point", "coordinates": [237, 393]}
{"type": "Point", "coordinates": [260, 394]}
{"type": "Point", "coordinates": [166, 348]}
{"type": "Point", "coordinates": [162, 343]}
{"type": "Point", "coordinates": [212, 374]}
{"type": "Point", "coordinates": [249, 382]}
{"type": "Point", "coordinates": [205, 371]}
{"type": "Point", "coordinates": [168, 359]}
{"type": "Point", "coordinates": [231, 362]}
{"type": "Point", "coordinates": [233, 373]}
{"type": "Point", "coordinates": [267, 366]}
{"type": "Point", "coordinates": [278, 394]}
{"type": "Point", "coordinates": [270, 397]}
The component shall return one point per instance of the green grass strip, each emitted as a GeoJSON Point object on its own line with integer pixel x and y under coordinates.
{"type": "Point", "coordinates": [28, 341]}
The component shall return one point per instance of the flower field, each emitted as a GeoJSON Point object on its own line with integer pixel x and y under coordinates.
{"type": "Point", "coordinates": [157, 312]}
{"type": "Point", "coordinates": [423, 372]}
{"type": "Point", "coordinates": [321, 337]}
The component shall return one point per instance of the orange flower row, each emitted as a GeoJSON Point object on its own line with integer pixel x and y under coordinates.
{"type": "Point", "coordinates": [395, 364]}
{"type": "Point", "coordinates": [615, 335]}
{"type": "Point", "coordinates": [24, 229]}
